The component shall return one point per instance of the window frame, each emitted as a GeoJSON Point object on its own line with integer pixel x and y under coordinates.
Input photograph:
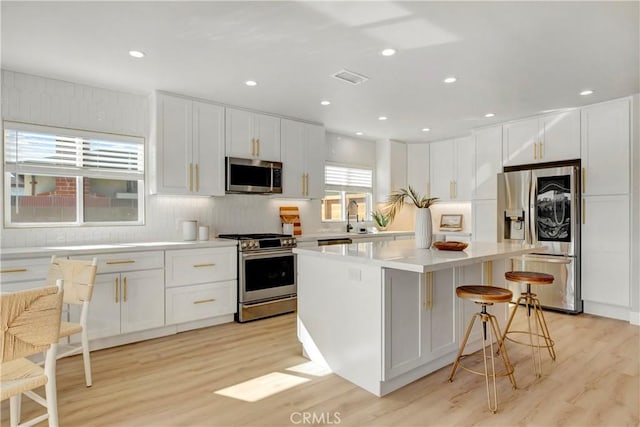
{"type": "Point", "coordinates": [344, 191]}
{"type": "Point", "coordinates": [78, 172]}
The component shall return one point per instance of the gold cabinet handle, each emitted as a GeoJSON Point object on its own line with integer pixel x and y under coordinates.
{"type": "Point", "coordinates": [258, 145]}
{"type": "Point", "coordinates": [584, 212]}
{"type": "Point", "coordinates": [190, 176]}
{"type": "Point", "coordinates": [306, 192]}
{"type": "Point", "coordinates": [303, 184]}
{"type": "Point", "coordinates": [203, 265]}
{"type": "Point", "coordinates": [428, 289]}
{"type": "Point", "coordinates": [451, 189]}
{"type": "Point", "coordinates": [455, 189]}
{"type": "Point", "coordinates": [541, 144]}
{"type": "Point", "coordinates": [253, 147]}
{"type": "Point", "coordinates": [202, 301]}
{"type": "Point", "coordinates": [197, 177]}
{"type": "Point", "coordinates": [535, 150]}
{"type": "Point", "coordinates": [14, 270]}
{"type": "Point", "coordinates": [584, 179]}
{"type": "Point", "coordinates": [125, 289]}
{"type": "Point", "coordinates": [117, 290]}
{"type": "Point", "coordinates": [128, 261]}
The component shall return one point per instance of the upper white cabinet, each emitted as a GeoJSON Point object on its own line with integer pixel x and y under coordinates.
{"type": "Point", "coordinates": [488, 162]}
{"type": "Point", "coordinates": [303, 159]}
{"type": "Point", "coordinates": [418, 168]}
{"type": "Point", "coordinates": [252, 135]}
{"type": "Point", "coordinates": [391, 170]}
{"type": "Point", "coordinates": [542, 139]}
{"type": "Point", "coordinates": [451, 169]}
{"type": "Point", "coordinates": [189, 147]}
{"type": "Point", "coordinates": [605, 148]}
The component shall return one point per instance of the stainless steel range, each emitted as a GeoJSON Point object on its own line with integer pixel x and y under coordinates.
{"type": "Point", "coordinates": [266, 275]}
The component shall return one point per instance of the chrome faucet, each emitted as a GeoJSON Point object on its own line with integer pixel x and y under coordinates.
{"type": "Point", "coordinates": [351, 203]}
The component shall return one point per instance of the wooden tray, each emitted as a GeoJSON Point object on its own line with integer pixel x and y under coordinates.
{"type": "Point", "coordinates": [450, 246]}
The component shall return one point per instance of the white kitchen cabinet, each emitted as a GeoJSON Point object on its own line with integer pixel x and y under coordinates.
{"type": "Point", "coordinates": [128, 295]}
{"type": "Point", "coordinates": [548, 138]}
{"type": "Point", "coordinates": [605, 262]}
{"type": "Point", "coordinates": [605, 148]}
{"type": "Point", "coordinates": [189, 147]}
{"type": "Point", "coordinates": [21, 274]}
{"type": "Point", "coordinates": [420, 322]}
{"type": "Point", "coordinates": [418, 168]}
{"type": "Point", "coordinates": [451, 169]}
{"type": "Point", "coordinates": [200, 283]}
{"type": "Point", "coordinates": [252, 135]}
{"type": "Point", "coordinates": [488, 162]}
{"type": "Point", "coordinates": [485, 220]}
{"type": "Point", "coordinates": [391, 168]}
{"type": "Point", "coordinates": [303, 159]}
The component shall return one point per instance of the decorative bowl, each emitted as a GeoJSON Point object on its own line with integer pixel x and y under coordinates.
{"type": "Point", "coordinates": [450, 246]}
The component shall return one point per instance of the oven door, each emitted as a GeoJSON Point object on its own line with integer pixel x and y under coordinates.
{"type": "Point", "coordinates": [267, 275]}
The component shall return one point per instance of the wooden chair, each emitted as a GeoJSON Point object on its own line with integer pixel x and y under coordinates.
{"type": "Point", "coordinates": [486, 296]}
{"type": "Point", "coordinates": [30, 325]}
{"type": "Point", "coordinates": [78, 278]}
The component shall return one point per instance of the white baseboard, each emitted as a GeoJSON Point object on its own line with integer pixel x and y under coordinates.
{"type": "Point", "coordinates": [607, 310]}
{"type": "Point", "coordinates": [634, 317]}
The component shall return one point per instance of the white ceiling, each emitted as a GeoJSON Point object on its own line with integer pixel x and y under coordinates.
{"type": "Point", "coordinates": [515, 59]}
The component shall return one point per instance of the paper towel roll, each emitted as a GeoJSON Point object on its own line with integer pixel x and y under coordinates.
{"type": "Point", "coordinates": [189, 230]}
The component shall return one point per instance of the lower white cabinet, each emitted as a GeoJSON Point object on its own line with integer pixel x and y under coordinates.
{"type": "Point", "coordinates": [188, 303]}
{"type": "Point", "coordinates": [605, 260]}
{"type": "Point", "coordinates": [128, 295]}
{"type": "Point", "coordinates": [201, 283]}
{"type": "Point", "coordinates": [20, 274]}
{"type": "Point", "coordinates": [419, 319]}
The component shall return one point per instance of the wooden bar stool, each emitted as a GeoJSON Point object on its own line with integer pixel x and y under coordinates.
{"type": "Point", "coordinates": [531, 303]}
{"type": "Point", "coordinates": [485, 296]}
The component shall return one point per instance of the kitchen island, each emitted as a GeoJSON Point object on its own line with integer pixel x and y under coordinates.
{"type": "Point", "coordinates": [383, 314]}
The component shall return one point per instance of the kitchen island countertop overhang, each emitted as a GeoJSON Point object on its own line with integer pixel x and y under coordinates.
{"type": "Point", "coordinates": [384, 314]}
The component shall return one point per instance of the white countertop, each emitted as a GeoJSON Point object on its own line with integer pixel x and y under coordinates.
{"type": "Point", "coordinates": [306, 237]}
{"type": "Point", "coordinates": [403, 255]}
{"type": "Point", "coordinates": [66, 250]}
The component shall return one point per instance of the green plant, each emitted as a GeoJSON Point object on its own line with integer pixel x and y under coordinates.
{"type": "Point", "coordinates": [398, 198]}
{"type": "Point", "coordinates": [381, 218]}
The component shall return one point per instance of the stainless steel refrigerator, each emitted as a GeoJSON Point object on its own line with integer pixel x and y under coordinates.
{"type": "Point", "coordinates": [541, 204]}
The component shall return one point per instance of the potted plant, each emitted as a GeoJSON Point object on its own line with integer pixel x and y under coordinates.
{"type": "Point", "coordinates": [382, 219]}
{"type": "Point", "coordinates": [423, 232]}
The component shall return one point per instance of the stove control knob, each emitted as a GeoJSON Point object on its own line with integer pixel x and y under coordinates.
{"type": "Point", "coordinates": [243, 245]}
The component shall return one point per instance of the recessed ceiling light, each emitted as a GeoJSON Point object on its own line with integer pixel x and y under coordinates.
{"type": "Point", "coordinates": [359, 133]}
{"type": "Point", "coordinates": [388, 52]}
{"type": "Point", "coordinates": [325, 102]}
{"type": "Point", "coordinates": [425, 129]}
{"type": "Point", "coordinates": [586, 92]}
{"type": "Point", "coordinates": [450, 80]}
{"type": "Point", "coordinates": [490, 115]}
{"type": "Point", "coordinates": [136, 54]}
{"type": "Point", "coordinates": [382, 118]}
{"type": "Point", "coordinates": [251, 83]}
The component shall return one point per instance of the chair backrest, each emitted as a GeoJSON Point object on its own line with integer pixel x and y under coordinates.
{"type": "Point", "coordinates": [78, 276]}
{"type": "Point", "coordinates": [30, 321]}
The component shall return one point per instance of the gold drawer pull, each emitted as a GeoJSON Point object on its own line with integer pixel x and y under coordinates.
{"type": "Point", "coordinates": [129, 261]}
{"type": "Point", "coordinates": [202, 301]}
{"type": "Point", "coordinates": [203, 265]}
{"type": "Point", "coordinates": [117, 290]}
{"type": "Point", "coordinates": [14, 270]}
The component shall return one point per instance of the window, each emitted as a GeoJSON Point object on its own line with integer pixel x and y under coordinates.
{"type": "Point", "coordinates": [348, 191]}
{"type": "Point", "coordinates": [56, 176]}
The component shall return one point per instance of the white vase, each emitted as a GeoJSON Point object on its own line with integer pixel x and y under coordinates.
{"type": "Point", "coordinates": [423, 232]}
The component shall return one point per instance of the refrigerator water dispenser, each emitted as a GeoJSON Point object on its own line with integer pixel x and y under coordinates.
{"type": "Point", "coordinates": [514, 225]}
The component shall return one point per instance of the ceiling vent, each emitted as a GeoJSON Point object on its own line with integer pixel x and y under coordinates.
{"type": "Point", "coordinates": [350, 77]}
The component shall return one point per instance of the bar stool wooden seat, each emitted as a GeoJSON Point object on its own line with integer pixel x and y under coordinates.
{"type": "Point", "coordinates": [531, 303]}
{"type": "Point", "coordinates": [485, 296]}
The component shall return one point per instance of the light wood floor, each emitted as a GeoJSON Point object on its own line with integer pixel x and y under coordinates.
{"type": "Point", "coordinates": [171, 382]}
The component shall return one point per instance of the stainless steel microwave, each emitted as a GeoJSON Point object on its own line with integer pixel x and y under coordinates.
{"type": "Point", "coordinates": [253, 176]}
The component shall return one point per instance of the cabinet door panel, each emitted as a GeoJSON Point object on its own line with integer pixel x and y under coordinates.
{"type": "Point", "coordinates": [518, 142]}
{"type": "Point", "coordinates": [605, 250]}
{"type": "Point", "coordinates": [485, 220]}
{"type": "Point", "coordinates": [189, 303]}
{"type": "Point", "coordinates": [441, 169]}
{"type": "Point", "coordinates": [239, 133]}
{"type": "Point", "coordinates": [142, 302]}
{"type": "Point", "coordinates": [104, 308]}
{"type": "Point", "coordinates": [418, 167]}
{"type": "Point", "coordinates": [208, 147]}
{"type": "Point", "coordinates": [561, 136]}
{"type": "Point", "coordinates": [464, 177]}
{"type": "Point", "coordinates": [315, 161]}
{"type": "Point", "coordinates": [488, 162]}
{"type": "Point", "coordinates": [267, 131]}
{"type": "Point", "coordinates": [174, 141]}
{"type": "Point", "coordinates": [293, 159]}
{"type": "Point", "coordinates": [605, 148]}
{"type": "Point", "coordinates": [440, 317]}
{"type": "Point", "coordinates": [192, 266]}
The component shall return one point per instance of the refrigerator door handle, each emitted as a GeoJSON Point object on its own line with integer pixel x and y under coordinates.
{"type": "Point", "coordinates": [533, 238]}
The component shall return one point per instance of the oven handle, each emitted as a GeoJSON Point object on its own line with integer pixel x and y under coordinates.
{"type": "Point", "coordinates": [266, 254]}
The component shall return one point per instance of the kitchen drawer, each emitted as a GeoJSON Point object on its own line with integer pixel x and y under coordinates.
{"type": "Point", "coordinates": [193, 266]}
{"type": "Point", "coordinates": [20, 270]}
{"type": "Point", "coordinates": [189, 303]}
{"type": "Point", "coordinates": [127, 261]}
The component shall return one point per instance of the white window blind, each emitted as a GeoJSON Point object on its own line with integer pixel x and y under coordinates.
{"type": "Point", "coordinates": [347, 178]}
{"type": "Point", "coordinates": [35, 149]}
